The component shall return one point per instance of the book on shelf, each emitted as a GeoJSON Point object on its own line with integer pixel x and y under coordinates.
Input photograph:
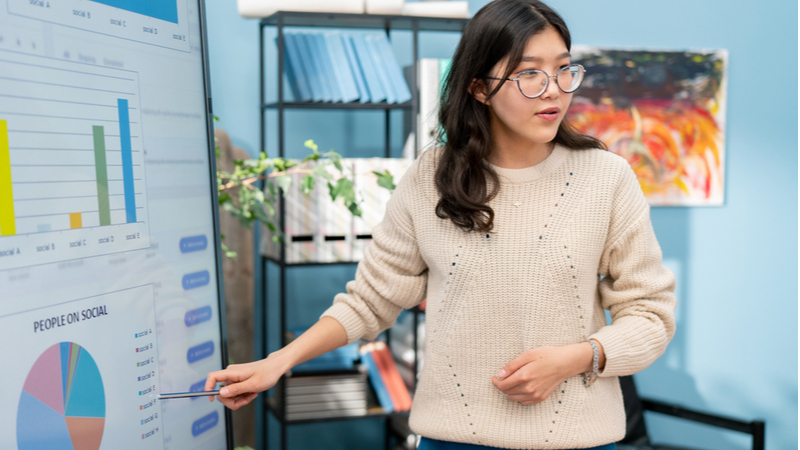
{"type": "Point", "coordinates": [368, 68]}
{"type": "Point", "coordinates": [431, 75]}
{"type": "Point", "coordinates": [308, 63]}
{"type": "Point", "coordinates": [381, 69]}
{"type": "Point", "coordinates": [326, 63]}
{"type": "Point", "coordinates": [341, 66]}
{"type": "Point", "coordinates": [338, 67]}
{"type": "Point", "coordinates": [295, 72]}
{"type": "Point", "coordinates": [430, 79]}
{"type": "Point", "coordinates": [375, 380]}
{"type": "Point", "coordinates": [326, 395]}
{"type": "Point", "coordinates": [387, 380]}
{"type": "Point", "coordinates": [319, 230]}
{"type": "Point", "coordinates": [393, 69]}
{"type": "Point", "coordinates": [355, 68]}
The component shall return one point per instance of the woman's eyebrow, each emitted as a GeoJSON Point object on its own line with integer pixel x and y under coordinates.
{"type": "Point", "coordinates": [538, 59]}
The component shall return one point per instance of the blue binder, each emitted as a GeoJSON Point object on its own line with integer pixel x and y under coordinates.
{"type": "Point", "coordinates": [326, 64]}
{"type": "Point", "coordinates": [318, 88]}
{"type": "Point", "coordinates": [347, 84]}
{"type": "Point", "coordinates": [393, 68]}
{"type": "Point", "coordinates": [377, 383]}
{"type": "Point", "coordinates": [358, 74]}
{"type": "Point", "coordinates": [295, 71]}
{"type": "Point", "coordinates": [380, 68]}
{"type": "Point", "coordinates": [376, 92]}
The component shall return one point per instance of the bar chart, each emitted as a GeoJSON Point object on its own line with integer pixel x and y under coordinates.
{"type": "Point", "coordinates": [71, 160]}
{"type": "Point", "coordinates": [155, 22]}
{"type": "Point", "coordinates": [158, 9]}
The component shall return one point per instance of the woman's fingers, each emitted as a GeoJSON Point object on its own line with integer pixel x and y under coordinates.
{"type": "Point", "coordinates": [507, 383]}
{"type": "Point", "coordinates": [236, 389]}
{"type": "Point", "coordinates": [232, 375]}
{"type": "Point", "coordinates": [243, 400]}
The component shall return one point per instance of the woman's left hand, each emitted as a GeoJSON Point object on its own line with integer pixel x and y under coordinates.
{"type": "Point", "coordinates": [534, 375]}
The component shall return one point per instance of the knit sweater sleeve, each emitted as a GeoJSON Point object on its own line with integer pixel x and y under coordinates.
{"type": "Point", "coordinates": [636, 288]}
{"type": "Point", "coordinates": [392, 276]}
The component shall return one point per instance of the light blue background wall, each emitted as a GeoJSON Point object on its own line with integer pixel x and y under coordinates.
{"type": "Point", "coordinates": [735, 352]}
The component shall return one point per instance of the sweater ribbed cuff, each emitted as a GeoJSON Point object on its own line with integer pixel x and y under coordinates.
{"type": "Point", "coordinates": [620, 360]}
{"type": "Point", "coordinates": [351, 321]}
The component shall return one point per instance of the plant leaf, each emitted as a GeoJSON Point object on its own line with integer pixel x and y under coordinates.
{"type": "Point", "coordinates": [284, 182]}
{"type": "Point", "coordinates": [385, 180]}
{"type": "Point", "coordinates": [308, 184]}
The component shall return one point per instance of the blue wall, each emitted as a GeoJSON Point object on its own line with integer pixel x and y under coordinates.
{"type": "Point", "coordinates": [735, 352]}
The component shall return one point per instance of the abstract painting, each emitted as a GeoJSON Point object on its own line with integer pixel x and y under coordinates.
{"type": "Point", "coordinates": [664, 112]}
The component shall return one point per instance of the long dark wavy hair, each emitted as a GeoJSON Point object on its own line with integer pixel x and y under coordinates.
{"type": "Point", "coordinates": [501, 28]}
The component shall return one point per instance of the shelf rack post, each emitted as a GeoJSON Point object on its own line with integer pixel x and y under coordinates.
{"type": "Point", "coordinates": [283, 210]}
{"type": "Point", "coordinates": [281, 20]}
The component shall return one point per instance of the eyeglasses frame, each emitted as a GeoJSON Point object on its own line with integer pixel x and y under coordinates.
{"type": "Point", "coordinates": [547, 80]}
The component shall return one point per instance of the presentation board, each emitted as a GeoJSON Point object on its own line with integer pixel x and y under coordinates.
{"type": "Point", "coordinates": [109, 271]}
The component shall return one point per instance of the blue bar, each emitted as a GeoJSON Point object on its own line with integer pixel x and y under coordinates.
{"type": "Point", "coordinates": [159, 9]}
{"type": "Point", "coordinates": [127, 160]}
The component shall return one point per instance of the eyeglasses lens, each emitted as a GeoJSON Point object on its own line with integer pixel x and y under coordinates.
{"type": "Point", "coordinates": [569, 78]}
{"type": "Point", "coordinates": [534, 82]}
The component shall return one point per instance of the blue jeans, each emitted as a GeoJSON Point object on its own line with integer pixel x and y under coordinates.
{"type": "Point", "coordinates": [433, 444]}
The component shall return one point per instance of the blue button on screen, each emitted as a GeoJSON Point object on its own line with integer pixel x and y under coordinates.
{"type": "Point", "coordinates": [199, 352]}
{"type": "Point", "coordinates": [198, 315]}
{"type": "Point", "coordinates": [196, 280]}
{"type": "Point", "coordinates": [193, 243]}
{"type": "Point", "coordinates": [205, 423]}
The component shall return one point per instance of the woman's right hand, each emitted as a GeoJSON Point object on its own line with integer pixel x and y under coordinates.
{"type": "Point", "coordinates": [243, 382]}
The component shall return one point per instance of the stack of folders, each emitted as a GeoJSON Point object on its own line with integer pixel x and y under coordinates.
{"type": "Point", "coordinates": [392, 393]}
{"type": "Point", "coordinates": [324, 396]}
{"type": "Point", "coordinates": [431, 75]}
{"type": "Point", "coordinates": [319, 230]}
{"type": "Point", "coordinates": [337, 67]}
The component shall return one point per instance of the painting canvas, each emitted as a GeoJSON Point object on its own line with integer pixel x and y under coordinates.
{"type": "Point", "coordinates": [664, 112]}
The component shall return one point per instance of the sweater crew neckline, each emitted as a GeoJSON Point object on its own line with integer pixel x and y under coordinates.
{"type": "Point", "coordinates": [535, 172]}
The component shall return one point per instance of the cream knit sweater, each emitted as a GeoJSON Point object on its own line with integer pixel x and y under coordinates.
{"type": "Point", "coordinates": [572, 237]}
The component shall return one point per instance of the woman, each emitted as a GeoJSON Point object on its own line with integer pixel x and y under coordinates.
{"type": "Point", "coordinates": [519, 232]}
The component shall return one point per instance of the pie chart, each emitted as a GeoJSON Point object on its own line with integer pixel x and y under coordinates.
{"type": "Point", "coordinates": [63, 405]}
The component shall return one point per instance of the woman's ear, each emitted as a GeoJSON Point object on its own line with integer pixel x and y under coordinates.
{"type": "Point", "coordinates": [478, 90]}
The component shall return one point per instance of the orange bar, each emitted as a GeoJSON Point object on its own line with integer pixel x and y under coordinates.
{"type": "Point", "coordinates": [75, 220]}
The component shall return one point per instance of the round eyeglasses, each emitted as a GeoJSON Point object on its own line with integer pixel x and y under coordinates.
{"type": "Point", "coordinates": [533, 83]}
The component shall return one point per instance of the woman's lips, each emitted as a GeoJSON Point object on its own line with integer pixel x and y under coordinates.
{"type": "Point", "coordinates": [548, 115]}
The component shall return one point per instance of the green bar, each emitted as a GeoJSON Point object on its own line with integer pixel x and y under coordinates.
{"type": "Point", "coordinates": [102, 174]}
{"type": "Point", "coordinates": [8, 226]}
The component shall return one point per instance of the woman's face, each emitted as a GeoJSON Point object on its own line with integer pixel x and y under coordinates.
{"type": "Point", "coordinates": [516, 119]}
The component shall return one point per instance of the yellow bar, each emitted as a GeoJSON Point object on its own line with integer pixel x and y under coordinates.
{"type": "Point", "coordinates": [75, 220]}
{"type": "Point", "coordinates": [8, 226]}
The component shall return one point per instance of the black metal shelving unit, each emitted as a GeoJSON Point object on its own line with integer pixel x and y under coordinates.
{"type": "Point", "coordinates": [281, 20]}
